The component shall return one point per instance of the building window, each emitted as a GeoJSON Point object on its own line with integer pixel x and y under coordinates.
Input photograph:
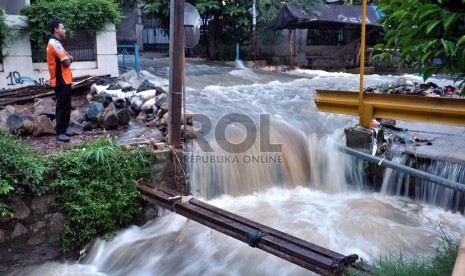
{"type": "Point", "coordinates": [82, 46]}
{"type": "Point", "coordinates": [325, 37]}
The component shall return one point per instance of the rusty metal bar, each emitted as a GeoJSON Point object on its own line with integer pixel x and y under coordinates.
{"type": "Point", "coordinates": [287, 247]}
{"type": "Point", "coordinates": [401, 107]}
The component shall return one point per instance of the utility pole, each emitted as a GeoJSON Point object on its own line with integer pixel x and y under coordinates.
{"type": "Point", "coordinates": [254, 23]}
{"type": "Point", "coordinates": [176, 72]}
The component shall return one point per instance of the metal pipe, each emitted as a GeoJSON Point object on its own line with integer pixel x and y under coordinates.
{"type": "Point", "coordinates": [411, 171]}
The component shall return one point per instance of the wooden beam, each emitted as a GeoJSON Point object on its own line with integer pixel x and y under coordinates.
{"type": "Point", "coordinates": [305, 254]}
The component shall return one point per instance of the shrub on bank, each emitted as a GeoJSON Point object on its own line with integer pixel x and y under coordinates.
{"type": "Point", "coordinates": [21, 171]}
{"type": "Point", "coordinates": [95, 183]}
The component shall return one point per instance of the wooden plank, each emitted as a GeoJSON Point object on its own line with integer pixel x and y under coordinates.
{"type": "Point", "coordinates": [287, 247]}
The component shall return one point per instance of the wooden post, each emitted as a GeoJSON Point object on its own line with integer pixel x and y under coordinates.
{"type": "Point", "coordinates": [176, 71]}
{"type": "Point", "coordinates": [291, 52]}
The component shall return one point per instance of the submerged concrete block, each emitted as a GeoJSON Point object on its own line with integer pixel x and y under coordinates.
{"type": "Point", "coordinates": [358, 137]}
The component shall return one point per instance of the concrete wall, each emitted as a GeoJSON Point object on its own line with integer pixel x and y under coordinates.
{"type": "Point", "coordinates": [13, 6]}
{"type": "Point", "coordinates": [17, 62]}
{"type": "Point", "coordinates": [277, 52]}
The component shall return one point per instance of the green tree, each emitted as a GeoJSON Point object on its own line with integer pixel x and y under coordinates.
{"type": "Point", "coordinates": [226, 22]}
{"type": "Point", "coordinates": [87, 15]}
{"type": "Point", "coordinates": [428, 34]}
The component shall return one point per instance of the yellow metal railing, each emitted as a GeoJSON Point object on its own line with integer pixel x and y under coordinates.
{"type": "Point", "coordinates": [398, 107]}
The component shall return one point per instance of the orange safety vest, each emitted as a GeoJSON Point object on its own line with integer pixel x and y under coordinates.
{"type": "Point", "coordinates": [59, 74]}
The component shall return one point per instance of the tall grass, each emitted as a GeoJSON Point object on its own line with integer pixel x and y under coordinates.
{"type": "Point", "coordinates": [440, 263]}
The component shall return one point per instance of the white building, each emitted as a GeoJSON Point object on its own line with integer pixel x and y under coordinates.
{"type": "Point", "coordinates": [18, 68]}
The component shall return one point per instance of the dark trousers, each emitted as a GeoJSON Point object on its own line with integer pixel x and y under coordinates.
{"type": "Point", "coordinates": [63, 107]}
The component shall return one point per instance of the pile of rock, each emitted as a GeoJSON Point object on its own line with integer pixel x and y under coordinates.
{"type": "Point", "coordinates": [148, 103]}
{"type": "Point", "coordinates": [35, 120]}
{"type": "Point", "coordinates": [405, 87]}
{"type": "Point", "coordinates": [112, 102]}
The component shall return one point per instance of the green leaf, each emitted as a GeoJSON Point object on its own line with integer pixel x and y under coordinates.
{"type": "Point", "coordinates": [427, 10]}
{"type": "Point", "coordinates": [448, 47]}
{"type": "Point", "coordinates": [461, 40]}
{"type": "Point", "coordinates": [431, 26]}
{"type": "Point", "coordinates": [427, 72]}
{"type": "Point", "coordinates": [449, 20]}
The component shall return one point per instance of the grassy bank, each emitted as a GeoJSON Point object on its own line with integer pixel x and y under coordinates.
{"type": "Point", "coordinates": [400, 264]}
{"type": "Point", "coordinates": [94, 181]}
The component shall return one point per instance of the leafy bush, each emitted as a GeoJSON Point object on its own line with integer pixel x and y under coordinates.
{"type": "Point", "coordinates": [429, 35]}
{"type": "Point", "coordinates": [20, 170]}
{"type": "Point", "coordinates": [96, 183]}
{"type": "Point", "coordinates": [87, 15]}
{"type": "Point", "coordinates": [5, 31]}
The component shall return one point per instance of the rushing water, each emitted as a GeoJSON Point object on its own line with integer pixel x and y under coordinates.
{"type": "Point", "coordinates": [315, 192]}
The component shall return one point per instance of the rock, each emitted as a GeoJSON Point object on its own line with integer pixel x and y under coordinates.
{"type": "Point", "coordinates": [19, 231]}
{"type": "Point", "coordinates": [94, 111]}
{"type": "Point", "coordinates": [125, 86]}
{"type": "Point", "coordinates": [45, 106]}
{"type": "Point", "coordinates": [27, 127]}
{"type": "Point", "coordinates": [159, 91]}
{"type": "Point", "coordinates": [90, 125]}
{"type": "Point", "coordinates": [104, 98]}
{"type": "Point", "coordinates": [104, 80]}
{"type": "Point", "coordinates": [14, 122]}
{"type": "Point", "coordinates": [36, 239]}
{"type": "Point", "coordinates": [165, 119]}
{"type": "Point", "coordinates": [3, 236]}
{"type": "Point", "coordinates": [147, 94]}
{"type": "Point", "coordinates": [43, 126]}
{"type": "Point", "coordinates": [148, 105]}
{"type": "Point", "coordinates": [188, 132]}
{"type": "Point", "coordinates": [37, 226]}
{"type": "Point", "coordinates": [27, 112]}
{"type": "Point", "coordinates": [358, 137]}
{"type": "Point", "coordinates": [57, 223]}
{"type": "Point", "coordinates": [154, 123]}
{"type": "Point", "coordinates": [4, 114]}
{"type": "Point", "coordinates": [189, 115]}
{"type": "Point", "coordinates": [388, 123]}
{"type": "Point", "coordinates": [40, 204]}
{"type": "Point", "coordinates": [123, 116]}
{"type": "Point", "coordinates": [119, 103]}
{"type": "Point", "coordinates": [77, 117]}
{"type": "Point", "coordinates": [160, 100]}
{"type": "Point", "coordinates": [164, 108]}
{"type": "Point", "coordinates": [114, 86]}
{"type": "Point", "coordinates": [75, 128]}
{"type": "Point", "coordinates": [109, 118]}
{"type": "Point", "coordinates": [146, 85]}
{"type": "Point", "coordinates": [142, 116]}
{"type": "Point", "coordinates": [21, 210]}
{"type": "Point", "coordinates": [136, 103]}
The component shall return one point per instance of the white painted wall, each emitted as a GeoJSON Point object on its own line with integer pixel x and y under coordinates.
{"type": "Point", "coordinates": [18, 60]}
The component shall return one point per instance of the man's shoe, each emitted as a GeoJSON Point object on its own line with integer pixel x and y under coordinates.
{"type": "Point", "coordinates": [63, 138]}
{"type": "Point", "coordinates": [70, 133]}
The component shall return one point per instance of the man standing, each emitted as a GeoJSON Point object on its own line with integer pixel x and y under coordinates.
{"type": "Point", "coordinates": [59, 62]}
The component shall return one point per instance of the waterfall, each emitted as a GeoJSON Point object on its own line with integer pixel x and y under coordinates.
{"type": "Point", "coordinates": [300, 161]}
{"type": "Point", "coordinates": [397, 183]}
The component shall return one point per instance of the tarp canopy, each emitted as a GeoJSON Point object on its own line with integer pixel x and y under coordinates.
{"type": "Point", "coordinates": [324, 17]}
